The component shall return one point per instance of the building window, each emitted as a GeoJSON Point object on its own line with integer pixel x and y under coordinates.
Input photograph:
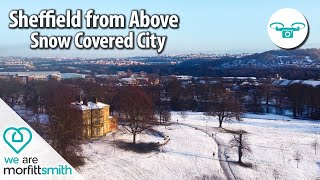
{"type": "Point", "coordinates": [98, 131]}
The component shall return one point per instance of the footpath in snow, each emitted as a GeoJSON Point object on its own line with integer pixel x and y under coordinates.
{"type": "Point", "coordinates": [274, 141]}
{"type": "Point", "coordinates": [188, 155]}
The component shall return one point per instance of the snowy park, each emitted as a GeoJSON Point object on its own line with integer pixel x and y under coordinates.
{"type": "Point", "coordinates": [193, 147]}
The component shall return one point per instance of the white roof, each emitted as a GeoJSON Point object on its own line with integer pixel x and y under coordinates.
{"type": "Point", "coordinates": [243, 78]}
{"type": "Point", "coordinates": [311, 82]}
{"type": "Point", "coordinates": [285, 82]}
{"type": "Point", "coordinates": [90, 106]}
{"type": "Point", "coordinates": [33, 73]}
{"type": "Point", "coordinates": [184, 77]}
{"type": "Point", "coordinates": [130, 79]}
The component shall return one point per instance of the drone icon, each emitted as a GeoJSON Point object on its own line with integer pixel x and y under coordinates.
{"type": "Point", "coordinates": [287, 32]}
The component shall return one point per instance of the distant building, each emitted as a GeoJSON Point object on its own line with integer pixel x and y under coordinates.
{"type": "Point", "coordinates": [73, 76]}
{"type": "Point", "coordinates": [183, 78]}
{"type": "Point", "coordinates": [25, 77]}
{"type": "Point", "coordinates": [286, 82]}
{"type": "Point", "coordinates": [96, 117]}
{"type": "Point", "coordinates": [122, 73]}
{"type": "Point", "coordinates": [239, 79]}
{"type": "Point", "coordinates": [129, 80]}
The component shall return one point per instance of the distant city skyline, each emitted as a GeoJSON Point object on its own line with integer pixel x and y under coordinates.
{"type": "Point", "coordinates": [205, 27]}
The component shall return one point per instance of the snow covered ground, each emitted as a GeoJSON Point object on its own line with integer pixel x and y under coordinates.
{"type": "Point", "coordinates": [188, 155]}
{"type": "Point", "coordinates": [273, 140]}
{"type": "Point", "coordinates": [30, 116]}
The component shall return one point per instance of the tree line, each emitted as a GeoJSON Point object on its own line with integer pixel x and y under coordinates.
{"type": "Point", "coordinates": [140, 107]}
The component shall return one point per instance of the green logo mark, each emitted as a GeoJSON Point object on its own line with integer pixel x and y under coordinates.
{"type": "Point", "coordinates": [17, 138]}
{"type": "Point", "coordinates": [287, 32]}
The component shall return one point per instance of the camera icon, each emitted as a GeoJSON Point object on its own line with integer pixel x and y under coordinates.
{"type": "Point", "coordinates": [287, 34]}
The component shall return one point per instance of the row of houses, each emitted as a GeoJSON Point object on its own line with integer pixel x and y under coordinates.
{"type": "Point", "coordinates": [26, 77]}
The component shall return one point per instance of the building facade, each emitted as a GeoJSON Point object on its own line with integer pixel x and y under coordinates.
{"type": "Point", "coordinates": [97, 121]}
{"type": "Point", "coordinates": [25, 77]}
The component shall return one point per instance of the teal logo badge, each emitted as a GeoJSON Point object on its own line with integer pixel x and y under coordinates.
{"type": "Point", "coordinates": [17, 138]}
{"type": "Point", "coordinates": [287, 32]}
{"type": "Point", "coordinates": [288, 28]}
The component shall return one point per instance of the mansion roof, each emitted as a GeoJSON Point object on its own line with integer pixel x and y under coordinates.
{"type": "Point", "coordinates": [90, 106]}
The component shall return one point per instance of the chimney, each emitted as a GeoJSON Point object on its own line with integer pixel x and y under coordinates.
{"type": "Point", "coordinates": [79, 98]}
{"type": "Point", "coordinates": [85, 101]}
{"type": "Point", "coordinates": [94, 100]}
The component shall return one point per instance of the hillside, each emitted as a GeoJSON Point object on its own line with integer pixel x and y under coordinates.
{"type": "Point", "coordinates": [290, 64]}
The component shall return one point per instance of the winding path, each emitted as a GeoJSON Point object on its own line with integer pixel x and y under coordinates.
{"type": "Point", "coordinates": [221, 153]}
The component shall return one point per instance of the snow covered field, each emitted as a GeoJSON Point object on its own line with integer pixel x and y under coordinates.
{"type": "Point", "coordinates": [273, 144]}
{"type": "Point", "coordinates": [188, 155]}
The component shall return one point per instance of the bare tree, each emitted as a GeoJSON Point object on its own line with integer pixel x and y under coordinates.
{"type": "Point", "coordinates": [276, 174]}
{"type": "Point", "coordinates": [183, 115]}
{"type": "Point", "coordinates": [208, 177]}
{"type": "Point", "coordinates": [297, 156]}
{"type": "Point", "coordinates": [10, 91]}
{"type": "Point", "coordinates": [137, 109]}
{"type": "Point", "coordinates": [65, 124]}
{"type": "Point", "coordinates": [315, 145]}
{"type": "Point", "coordinates": [225, 106]}
{"type": "Point", "coordinates": [267, 89]}
{"type": "Point", "coordinates": [166, 118]}
{"type": "Point", "coordinates": [240, 143]}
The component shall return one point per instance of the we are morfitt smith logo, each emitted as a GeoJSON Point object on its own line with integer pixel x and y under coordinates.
{"type": "Point", "coordinates": [288, 28]}
{"type": "Point", "coordinates": [17, 138]}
